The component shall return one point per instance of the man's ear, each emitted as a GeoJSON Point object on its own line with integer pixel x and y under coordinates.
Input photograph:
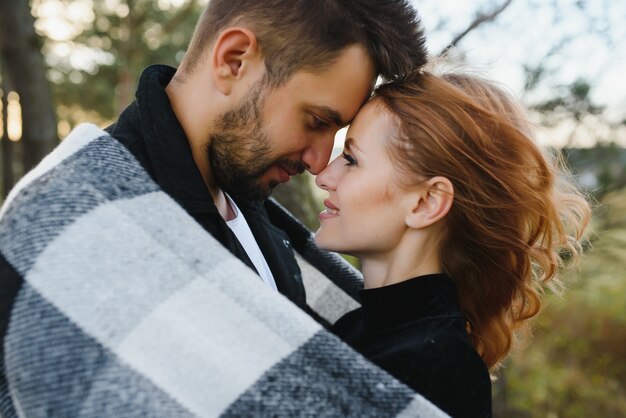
{"type": "Point", "coordinates": [432, 201]}
{"type": "Point", "coordinates": [235, 53]}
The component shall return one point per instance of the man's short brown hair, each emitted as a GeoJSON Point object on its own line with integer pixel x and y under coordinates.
{"type": "Point", "coordinates": [310, 34]}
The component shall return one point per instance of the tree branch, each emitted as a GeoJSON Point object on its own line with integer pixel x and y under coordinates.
{"type": "Point", "coordinates": [480, 19]}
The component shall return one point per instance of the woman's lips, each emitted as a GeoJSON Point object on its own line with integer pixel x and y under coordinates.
{"type": "Point", "coordinates": [330, 205]}
{"type": "Point", "coordinates": [331, 211]}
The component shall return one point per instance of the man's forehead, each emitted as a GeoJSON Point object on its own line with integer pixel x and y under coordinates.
{"type": "Point", "coordinates": [333, 106]}
{"type": "Point", "coordinates": [335, 93]}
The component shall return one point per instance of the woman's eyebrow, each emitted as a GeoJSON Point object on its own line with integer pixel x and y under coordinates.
{"type": "Point", "coordinates": [351, 145]}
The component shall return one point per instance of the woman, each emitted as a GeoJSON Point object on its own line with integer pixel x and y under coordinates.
{"type": "Point", "coordinates": [458, 220]}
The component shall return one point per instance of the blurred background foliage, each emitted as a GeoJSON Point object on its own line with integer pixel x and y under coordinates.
{"type": "Point", "coordinates": [63, 62]}
{"type": "Point", "coordinates": [574, 364]}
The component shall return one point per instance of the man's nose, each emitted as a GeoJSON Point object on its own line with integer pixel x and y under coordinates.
{"type": "Point", "coordinates": [327, 178]}
{"type": "Point", "coordinates": [317, 155]}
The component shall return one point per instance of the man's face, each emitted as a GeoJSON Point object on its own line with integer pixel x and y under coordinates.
{"type": "Point", "coordinates": [279, 132]}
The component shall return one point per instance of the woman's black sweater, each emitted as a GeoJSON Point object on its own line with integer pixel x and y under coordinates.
{"type": "Point", "coordinates": [415, 331]}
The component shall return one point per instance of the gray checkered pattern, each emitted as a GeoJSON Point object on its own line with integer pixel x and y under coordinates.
{"type": "Point", "coordinates": [121, 305]}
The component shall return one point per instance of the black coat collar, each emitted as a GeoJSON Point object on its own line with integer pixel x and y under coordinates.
{"type": "Point", "coordinates": [410, 300]}
{"type": "Point", "coordinates": [174, 168]}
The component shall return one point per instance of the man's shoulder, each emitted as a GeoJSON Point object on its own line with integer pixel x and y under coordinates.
{"type": "Point", "coordinates": [88, 162]}
{"type": "Point", "coordinates": [91, 154]}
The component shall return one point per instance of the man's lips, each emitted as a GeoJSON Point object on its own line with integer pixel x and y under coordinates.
{"type": "Point", "coordinates": [283, 174]}
{"type": "Point", "coordinates": [292, 171]}
{"type": "Point", "coordinates": [286, 171]}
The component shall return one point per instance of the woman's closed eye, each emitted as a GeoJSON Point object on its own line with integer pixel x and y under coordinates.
{"type": "Point", "coordinates": [349, 158]}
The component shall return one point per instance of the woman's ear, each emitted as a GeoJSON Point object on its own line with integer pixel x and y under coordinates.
{"type": "Point", "coordinates": [235, 54]}
{"type": "Point", "coordinates": [431, 202]}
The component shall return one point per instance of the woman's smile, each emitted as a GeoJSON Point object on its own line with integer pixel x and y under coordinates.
{"type": "Point", "coordinates": [331, 211]}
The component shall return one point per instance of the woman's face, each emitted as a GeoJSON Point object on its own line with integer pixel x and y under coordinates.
{"type": "Point", "coordinates": [365, 205]}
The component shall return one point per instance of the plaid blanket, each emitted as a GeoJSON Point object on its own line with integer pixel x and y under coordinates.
{"type": "Point", "coordinates": [115, 303]}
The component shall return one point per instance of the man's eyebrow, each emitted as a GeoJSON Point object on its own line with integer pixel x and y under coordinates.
{"type": "Point", "coordinates": [329, 114]}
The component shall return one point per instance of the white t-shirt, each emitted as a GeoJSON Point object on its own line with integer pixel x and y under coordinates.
{"type": "Point", "coordinates": [242, 231]}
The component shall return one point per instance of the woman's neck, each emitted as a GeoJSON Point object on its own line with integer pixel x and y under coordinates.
{"type": "Point", "coordinates": [407, 260]}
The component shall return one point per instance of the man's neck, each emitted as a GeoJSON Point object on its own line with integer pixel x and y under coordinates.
{"type": "Point", "coordinates": [180, 88]}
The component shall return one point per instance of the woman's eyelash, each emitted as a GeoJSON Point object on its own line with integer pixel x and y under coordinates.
{"type": "Point", "coordinates": [349, 158]}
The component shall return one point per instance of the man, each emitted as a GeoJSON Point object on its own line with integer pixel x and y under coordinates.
{"type": "Point", "coordinates": [115, 300]}
{"type": "Point", "coordinates": [258, 98]}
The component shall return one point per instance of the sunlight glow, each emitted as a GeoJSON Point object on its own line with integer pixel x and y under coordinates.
{"type": "Point", "coordinates": [122, 10]}
{"type": "Point", "coordinates": [63, 21]}
{"type": "Point", "coordinates": [14, 122]}
{"type": "Point", "coordinates": [63, 128]}
{"type": "Point", "coordinates": [1, 113]}
{"type": "Point", "coordinates": [166, 4]}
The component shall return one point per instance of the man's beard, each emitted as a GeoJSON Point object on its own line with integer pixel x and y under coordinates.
{"type": "Point", "coordinates": [239, 150]}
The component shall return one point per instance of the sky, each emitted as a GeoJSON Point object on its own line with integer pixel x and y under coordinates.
{"type": "Point", "coordinates": [527, 30]}
{"type": "Point", "coordinates": [523, 34]}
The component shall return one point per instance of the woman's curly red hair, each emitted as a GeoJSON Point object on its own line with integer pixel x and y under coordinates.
{"type": "Point", "coordinates": [516, 217]}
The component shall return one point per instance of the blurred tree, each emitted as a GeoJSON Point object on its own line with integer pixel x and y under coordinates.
{"type": "Point", "coordinates": [8, 179]}
{"type": "Point", "coordinates": [94, 71]}
{"type": "Point", "coordinates": [297, 196]}
{"type": "Point", "coordinates": [23, 66]}
{"type": "Point", "coordinates": [600, 169]}
{"type": "Point", "coordinates": [575, 365]}
{"type": "Point", "coordinates": [481, 17]}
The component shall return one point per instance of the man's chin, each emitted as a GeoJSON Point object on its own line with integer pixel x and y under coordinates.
{"type": "Point", "coordinates": [258, 191]}
{"type": "Point", "coordinates": [265, 191]}
{"type": "Point", "coordinates": [270, 187]}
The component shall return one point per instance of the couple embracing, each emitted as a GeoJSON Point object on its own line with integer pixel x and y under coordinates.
{"type": "Point", "coordinates": [146, 271]}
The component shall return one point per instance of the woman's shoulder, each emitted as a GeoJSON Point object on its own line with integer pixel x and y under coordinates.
{"type": "Point", "coordinates": [441, 346]}
{"type": "Point", "coordinates": [348, 327]}
{"type": "Point", "coordinates": [432, 355]}
{"type": "Point", "coordinates": [449, 372]}
{"type": "Point", "coordinates": [436, 358]}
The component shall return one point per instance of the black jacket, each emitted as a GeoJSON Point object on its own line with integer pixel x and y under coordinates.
{"type": "Point", "coordinates": [150, 130]}
{"type": "Point", "coordinates": [415, 331]}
